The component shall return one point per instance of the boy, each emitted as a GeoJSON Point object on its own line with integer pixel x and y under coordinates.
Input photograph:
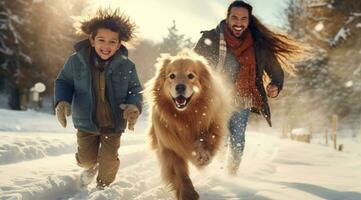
{"type": "Point", "coordinates": [99, 84]}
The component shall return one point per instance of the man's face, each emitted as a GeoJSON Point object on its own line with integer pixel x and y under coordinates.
{"type": "Point", "coordinates": [238, 20]}
{"type": "Point", "coordinates": [105, 43]}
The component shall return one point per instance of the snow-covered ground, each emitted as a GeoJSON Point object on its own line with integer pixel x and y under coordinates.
{"type": "Point", "coordinates": [37, 162]}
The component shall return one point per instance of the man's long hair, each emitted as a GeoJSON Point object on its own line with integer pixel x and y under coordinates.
{"type": "Point", "coordinates": [287, 50]}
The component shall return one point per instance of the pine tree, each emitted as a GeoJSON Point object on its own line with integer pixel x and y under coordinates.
{"type": "Point", "coordinates": [174, 41]}
{"type": "Point", "coordinates": [331, 79]}
{"type": "Point", "coordinates": [55, 35]}
{"type": "Point", "coordinates": [36, 39]}
{"type": "Point", "coordinates": [342, 43]}
{"type": "Point", "coordinates": [146, 52]}
{"type": "Point", "coordinates": [145, 56]}
{"type": "Point", "coordinates": [52, 22]}
{"type": "Point", "coordinates": [14, 47]}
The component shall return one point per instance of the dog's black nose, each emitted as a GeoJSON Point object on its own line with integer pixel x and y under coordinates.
{"type": "Point", "coordinates": [180, 88]}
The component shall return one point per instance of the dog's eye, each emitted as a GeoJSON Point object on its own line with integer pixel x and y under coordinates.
{"type": "Point", "coordinates": [190, 76]}
{"type": "Point", "coordinates": [172, 76]}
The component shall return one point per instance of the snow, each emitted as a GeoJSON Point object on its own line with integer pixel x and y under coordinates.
{"type": "Point", "coordinates": [25, 57]}
{"type": "Point", "coordinates": [4, 49]}
{"type": "Point", "coordinates": [300, 131]}
{"type": "Point", "coordinates": [41, 165]}
{"type": "Point", "coordinates": [318, 4]}
{"type": "Point", "coordinates": [349, 84]}
{"type": "Point", "coordinates": [319, 26]}
{"type": "Point", "coordinates": [341, 34]}
{"type": "Point", "coordinates": [357, 71]}
{"type": "Point", "coordinates": [16, 19]}
{"type": "Point", "coordinates": [23, 122]}
{"type": "Point", "coordinates": [33, 146]}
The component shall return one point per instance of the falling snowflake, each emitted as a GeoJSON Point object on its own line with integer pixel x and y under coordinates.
{"type": "Point", "coordinates": [319, 26]}
{"type": "Point", "coordinates": [195, 89]}
{"type": "Point", "coordinates": [208, 41]}
{"type": "Point", "coordinates": [349, 84]}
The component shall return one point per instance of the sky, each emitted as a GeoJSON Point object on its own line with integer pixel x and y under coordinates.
{"type": "Point", "coordinates": [154, 17]}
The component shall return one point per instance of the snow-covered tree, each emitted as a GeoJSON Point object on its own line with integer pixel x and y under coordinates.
{"type": "Point", "coordinates": [36, 38]}
{"type": "Point", "coordinates": [174, 41]}
{"type": "Point", "coordinates": [146, 52]}
{"type": "Point", "coordinates": [55, 35]}
{"type": "Point", "coordinates": [331, 79]}
{"type": "Point", "coordinates": [14, 47]}
{"type": "Point", "coordinates": [145, 55]}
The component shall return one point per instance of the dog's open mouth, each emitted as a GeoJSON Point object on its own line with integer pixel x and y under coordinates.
{"type": "Point", "coordinates": [181, 101]}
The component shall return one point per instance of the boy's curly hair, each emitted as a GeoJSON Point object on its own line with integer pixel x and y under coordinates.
{"type": "Point", "coordinates": [109, 19]}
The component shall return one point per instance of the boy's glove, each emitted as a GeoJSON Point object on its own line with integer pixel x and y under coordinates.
{"type": "Point", "coordinates": [62, 110]}
{"type": "Point", "coordinates": [131, 114]}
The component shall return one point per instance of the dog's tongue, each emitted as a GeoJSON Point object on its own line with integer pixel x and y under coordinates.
{"type": "Point", "coordinates": [180, 100]}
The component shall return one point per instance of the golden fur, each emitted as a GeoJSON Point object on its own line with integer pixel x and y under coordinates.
{"type": "Point", "coordinates": [192, 133]}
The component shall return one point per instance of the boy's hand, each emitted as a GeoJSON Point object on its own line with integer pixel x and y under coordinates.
{"type": "Point", "coordinates": [131, 114]}
{"type": "Point", "coordinates": [62, 110]}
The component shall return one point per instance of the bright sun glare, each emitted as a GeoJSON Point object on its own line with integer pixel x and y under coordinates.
{"type": "Point", "coordinates": [154, 17]}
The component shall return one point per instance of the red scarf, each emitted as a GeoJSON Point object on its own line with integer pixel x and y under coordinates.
{"type": "Point", "coordinates": [243, 49]}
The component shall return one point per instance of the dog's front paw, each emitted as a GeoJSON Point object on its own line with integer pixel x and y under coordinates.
{"type": "Point", "coordinates": [201, 155]}
{"type": "Point", "coordinates": [189, 194]}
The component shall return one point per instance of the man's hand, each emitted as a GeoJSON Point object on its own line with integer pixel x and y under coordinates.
{"type": "Point", "coordinates": [62, 110]}
{"type": "Point", "coordinates": [272, 90]}
{"type": "Point", "coordinates": [131, 114]}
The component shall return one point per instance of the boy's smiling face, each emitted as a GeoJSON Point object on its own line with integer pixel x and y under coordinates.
{"type": "Point", "coordinates": [105, 43]}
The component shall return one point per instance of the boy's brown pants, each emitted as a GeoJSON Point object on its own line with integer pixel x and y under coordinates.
{"type": "Point", "coordinates": [102, 149]}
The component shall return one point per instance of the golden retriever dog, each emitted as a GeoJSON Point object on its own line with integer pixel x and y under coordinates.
{"type": "Point", "coordinates": [190, 107]}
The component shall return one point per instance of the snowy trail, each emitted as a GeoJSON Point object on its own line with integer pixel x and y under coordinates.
{"type": "Point", "coordinates": [39, 164]}
{"type": "Point", "coordinates": [29, 146]}
{"type": "Point", "coordinates": [53, 176]}
{"type": "Point", "coordinates": [262, 175]}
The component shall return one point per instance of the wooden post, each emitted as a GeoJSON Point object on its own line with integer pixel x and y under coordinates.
{"type": "Point", "coordinates": [326, 136]}
{"type": "Point", "coordinates": [334, 130]}
{"type": "Point", "coordinates": [359, 133]}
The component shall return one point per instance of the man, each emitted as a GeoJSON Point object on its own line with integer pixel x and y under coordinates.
{"type": "Point", "coordinates": [247, 51]}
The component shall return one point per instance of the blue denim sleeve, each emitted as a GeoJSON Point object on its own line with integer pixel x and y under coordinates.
{"type": "Point", "coordinates": [134, 95]}
{"type": "Point", "coordinates": [64, 83]}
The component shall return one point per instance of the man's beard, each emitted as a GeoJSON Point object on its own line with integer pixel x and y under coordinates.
{"type": "Point", "coordinates": [242, 32]}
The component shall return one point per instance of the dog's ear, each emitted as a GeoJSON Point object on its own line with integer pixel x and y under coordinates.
{"type": "Point", "coordinates": [204, 71]}
{"type": "Point", "coordinates": [162, 62]}
{"type": "Point", "coordinates": [154, 85]}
